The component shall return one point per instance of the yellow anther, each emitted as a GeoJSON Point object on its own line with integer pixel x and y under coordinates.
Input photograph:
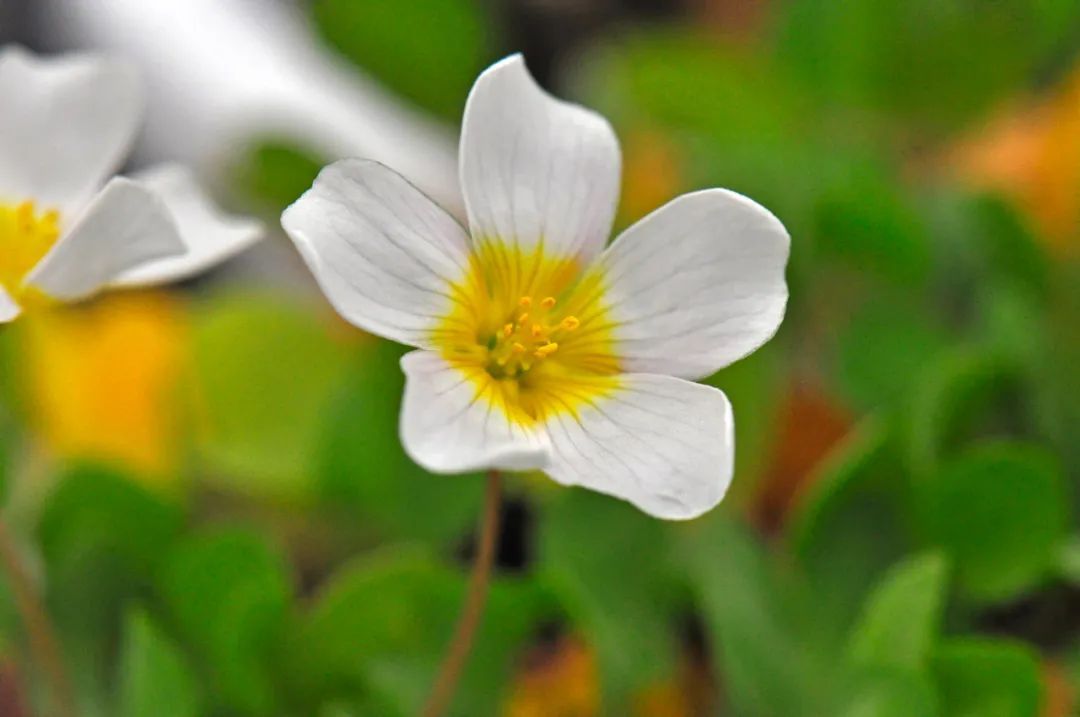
{"type": "Point", "coordinates": [508, 330]}
{"type": "Point", "coordinates": [525, 302]}
{"type": "Point", "coordinates": [548, 303]}
{"type": "Point", "coordinates": [517, 348]}
{"type": "Point", "coordinates": [537, 331]}
{"type": "Point", "coordinates": [570, 323]}
{"type": "Point", "coordinates": [26, 235]}
{"type": "Point", "coordinates": [523, 318]}
{"type": "Point", "coordinates": [25, 213]}
{"type": "Point", "coordinates": [546, 350]}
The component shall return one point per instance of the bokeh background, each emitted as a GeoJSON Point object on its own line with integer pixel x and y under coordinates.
{"type": "Point", "coordinates": [207, 483]}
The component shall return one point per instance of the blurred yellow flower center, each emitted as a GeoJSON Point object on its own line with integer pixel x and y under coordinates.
{"type": "Point", "coordinates": [530, 330]}
{"type": "Point", "coordinates": [26, 236]}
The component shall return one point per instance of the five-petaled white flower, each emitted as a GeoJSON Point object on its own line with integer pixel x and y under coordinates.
{"type": "Point", "coordinates": [67, 123]}
{"type": "Point", "coordinates": [539, 348]}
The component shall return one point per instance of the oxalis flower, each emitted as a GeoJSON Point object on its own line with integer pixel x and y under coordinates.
{"type": "Point", "coordinates": [66, 232]}
{"type": "Point", "coordinates": [539, 348]}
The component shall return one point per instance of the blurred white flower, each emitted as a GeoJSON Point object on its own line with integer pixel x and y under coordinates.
{"type": "Point", "coordinates": [223, 73]}
{"type": "Point", "coordinates": [541, 349]}
{"type": "Point", "coordinates": [66, 232]}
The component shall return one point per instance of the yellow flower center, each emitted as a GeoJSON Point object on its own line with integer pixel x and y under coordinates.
{"type": "Point", "coordinates": [26, 236]}
{"type": "Point", "coordinates": [532, 335]}
{"type": "Point", "coordinates": [530, 330]}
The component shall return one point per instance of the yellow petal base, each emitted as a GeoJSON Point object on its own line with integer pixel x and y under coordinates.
{"type": "Point", "coordinates": [26, 236]}
{"type": "Point", "coordinates": [531, 331]}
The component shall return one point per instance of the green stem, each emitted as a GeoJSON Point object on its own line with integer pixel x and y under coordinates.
{"type": "Point", "coordinates": [44, 646]}
{"type": "Point", "coordinates": [458, 653]}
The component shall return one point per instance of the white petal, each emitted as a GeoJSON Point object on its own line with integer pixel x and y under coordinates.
{"type": "Point", "coordinates": [697, 284]}
{"type": "Point", "coordinates": [234, 71]}
{"type": "Point", "coordinates": [66, 125]}
{"type": "Point", "coordinates": [535, 169]}
{"type": "Point", "coordinates": [664, 444]}
{"type": "Point", "coordinates": [124, 226]}
{"type": "Point", "coordinates": [9, 310]}
{"type": "Point", "coordinates": [210, 235]}
{"type": "Point", "coordinates": [451, 421]}
{"type": "Point", "coordinates": [384, 254]}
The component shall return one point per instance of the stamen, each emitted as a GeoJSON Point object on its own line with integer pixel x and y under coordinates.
{"type": "Point", "coordinates": [522, 319]}
{"type": "Point", "coordinates": [26, 235]}
{"type": "Point", "coordinates": [525, 302]}
{"type": "Point", "coordinates": [537, 331]}
{"type": "Point", "coordinates": [546, 350]}
{"type": "Point", "coordinates": [548, 302]}
{"type": "Point", "coordinates": [517, 348]}
{"type": "Point", "coordinates": [570, 323]}
{"type": "Point", "coordinates": [508, 330]}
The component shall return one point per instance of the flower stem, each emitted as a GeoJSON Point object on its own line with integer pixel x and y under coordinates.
{"type": "Point", "coordinates": [458, 652]}
{"type": "Point", "coordinates": [39, 630]}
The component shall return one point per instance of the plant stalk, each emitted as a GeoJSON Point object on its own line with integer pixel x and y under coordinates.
{"type": "Point", "coordinates": [458, 652]}
{"type": "Point", "coordinates": [44, 646]}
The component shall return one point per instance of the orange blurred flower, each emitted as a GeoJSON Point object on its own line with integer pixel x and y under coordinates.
{"type": "Point", "coordinates": [101, 380]}
{"type": "Point", "coordinates": [1032, 154]}
{"type": "Point", "coordinates": [653, 173]}
{"type": "Point", "coordinates": [811, 423]}
{"type": "Point", "coordinates": [560, 680]}
{"type": "Point", "coordinates": [563, 680]}
{"type": "Point", "coordinates": [1059, 696]}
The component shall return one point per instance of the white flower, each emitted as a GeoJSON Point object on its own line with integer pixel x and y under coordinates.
{"type": "Point", "coordinates": [539, 348]}
{"type": "Point", "coordinates": [223, 74]}
{"type": "Point", "coordinates": [66, 232]}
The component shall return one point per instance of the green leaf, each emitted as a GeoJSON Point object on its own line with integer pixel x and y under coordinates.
{"type": "Point", "coordinates": [888, 692]}
{"type": "Point", "coordinates": [380, 629]}
{"type": "Point", "coordinates": [363, 468]}
{"type": "Point", "coordinates": [987, 678]}
{"type": "Point", "coordinates": [102, 537]}
{"type": "Point", "coordinates": [651, 72]}
{"type": "Point", "coordinates": [7, 440]}
{"type": "Point", "coordinates": [909, 59]}
{"type": "Point", "coordinates": [964, 395]}
{"type": "Point", "coordinates": [999, 510]}
{"type": "Point", "coordinates": [865, 220]}
{"type": "Point", "coordinates": [753, 386]}
{"type": "Point", "coordinates": [1008, 248]}
{"type": "Point", "coordinates": [765, 654]}
{"type": "Point", "coordinates": [900, 620]}
{"type": "Point", "coordinates": [579, 534]}
{"type": "Point", "coordinates": [264, 373]}
{"type": "Point", "coordinates": [277, 173]}
{"type": "Point", "coordinates": [1068, 563]}
{"type": "Point", "coordinates": [746, 127]}
{"type": "Point", "coordinates": [1057, 384]}
{"type": "Point", "coordinates": [97, 510]}
{"type": "Point", "coordinates": [851, 525]}
{"type": "Point", "coordinates": [429, 52]}
{"type": "Point", "coordinates": [154, 679]}
{"type": "Point", "coordinates": [229, 595]}
{"type": "Point", "coordinates": [884, 350]}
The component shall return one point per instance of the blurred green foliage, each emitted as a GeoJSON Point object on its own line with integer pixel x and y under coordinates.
{"type": "Point", "coordinates": [308, 567]}
{"type": "Point", "coordinates": [263, 375]}
{"type": "Point", "coordinates": [912, 62]}
{"type": "Point", "coordinates": [154, 678]}
{"type": "Point", "coordinates": [430, 52]}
